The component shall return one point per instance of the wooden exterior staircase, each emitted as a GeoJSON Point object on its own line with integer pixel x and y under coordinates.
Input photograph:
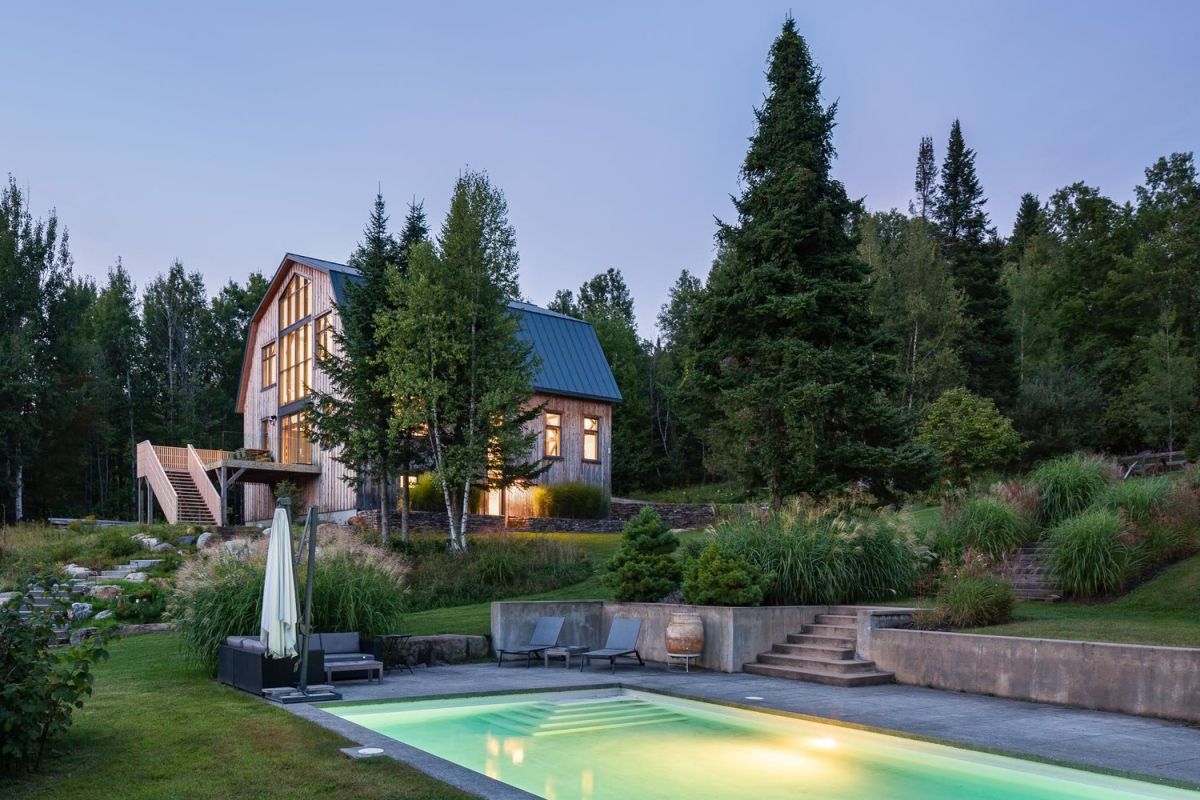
{"type": "Point", "coordinates": [179, 479]}
{"type": "Point", "coordinates": [822, 652]}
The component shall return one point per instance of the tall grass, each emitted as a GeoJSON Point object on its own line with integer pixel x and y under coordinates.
{"type": "Point", "coordinates": [573, 500]}
{"type": "Point", "coordinates": [1139, 498]}
{"type": "Point", "coordinates": [1088, 555]}
{"type": "Point", "coordinates": [821, 556]}
{"type": "Point", "coordinates": [989, 525]}
{"type": "Point", "coordinates": [1068, 485]}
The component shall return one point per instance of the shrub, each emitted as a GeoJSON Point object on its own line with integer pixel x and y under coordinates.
{"type": "Point", "coordinates": [989, 525]}
{"type": "Point", "coordinates": [714, 579]}
{"type": "Point", "coordinates": [294, 495]}
{"type": "Point", "coordinates": [40, 687]}
{"type": "Point", "coordinates": [496, 565]}
{"type": "Point", "coordinates": [1087, 554]}
{"type": "Point", "coordinates": [822, 556]}
{"type": "Point", "coordinates": [116, 543]}
{"type": "Point", "coordinates": [968, 434]}
{"type": "Point", "coordinates": [1068, 485]}
{"type": "Point", "coordinates": [644, 569]}
{"type": "Point", "coordinates": [970, 601]}
{"type": "Point", "coordinates": [141, 603]}
{"type": "Point", "coordinates": [355, 588]}
{"type": "Point", "coordinates": [425, 494]}
{"type": "Point", "coordinates": [573, 500]}
{"type": "Point", "coordinates": [1139, 498]}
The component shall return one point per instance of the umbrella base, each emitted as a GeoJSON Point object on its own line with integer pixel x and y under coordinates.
{"type": "Point", "coordinates": [314, 694]}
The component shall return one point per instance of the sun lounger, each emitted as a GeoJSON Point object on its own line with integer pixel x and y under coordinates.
{"type": "Point", "coordinates": [622, 643]}
{"type": "Point", "coordinates": [545, 634]}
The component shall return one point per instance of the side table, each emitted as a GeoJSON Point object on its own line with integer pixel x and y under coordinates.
{"type": "Point", "coordinates": [686, 658]}
{"type": "Point", "coordinates": [562, 651]}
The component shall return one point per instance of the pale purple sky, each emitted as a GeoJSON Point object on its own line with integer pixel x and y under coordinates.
{"type": "Point", "coordinates": [228, 133]}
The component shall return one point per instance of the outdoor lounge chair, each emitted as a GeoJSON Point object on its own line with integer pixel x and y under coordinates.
{"type": "Point", "coordinates": [622, 643]}
{"type": "Point", "coordinates": [545, 635]}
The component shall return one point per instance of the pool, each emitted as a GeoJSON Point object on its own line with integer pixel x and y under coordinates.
{"type": "Point", "coordinates": [633, 745]}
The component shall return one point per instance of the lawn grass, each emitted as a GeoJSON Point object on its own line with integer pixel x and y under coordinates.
{"type": "Point", "coordinates": [159, 727]}
{"type": "Point", "coordinates": [1162, 611]}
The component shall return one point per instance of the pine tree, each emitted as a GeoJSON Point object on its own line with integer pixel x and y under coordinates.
{"type": "Point", "coordinates": [925, 183]}
{"type": "Point", "coordinates": [970, 245]}
{"type": "Point", "coordinates": [789, 355]}
{"type": "Point", "coordinates": [1030, 222]}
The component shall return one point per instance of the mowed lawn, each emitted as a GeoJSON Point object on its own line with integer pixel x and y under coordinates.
{"type": "Point", "coordinates": [158, 727]}
{"type": "Point", "coordinates": [1162, 611]}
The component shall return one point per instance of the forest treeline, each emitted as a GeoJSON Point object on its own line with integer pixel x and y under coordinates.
{"type": "Point", "coordinates": [809, 357]}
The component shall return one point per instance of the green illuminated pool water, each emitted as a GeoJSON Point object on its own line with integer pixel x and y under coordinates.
{"type": "Point", "coordinates": [640, 746]}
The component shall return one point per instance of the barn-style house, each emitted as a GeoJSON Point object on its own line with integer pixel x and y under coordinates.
{"type": "Point", "coordinates": [295, 321]}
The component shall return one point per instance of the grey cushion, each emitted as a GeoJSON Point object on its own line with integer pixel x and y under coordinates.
{"type": "Point", "coordinates": [338, 658]}
{"type": "Point", "coordinates": [333, 643]}
{"type": "Point", "coordinates": [250, 644]}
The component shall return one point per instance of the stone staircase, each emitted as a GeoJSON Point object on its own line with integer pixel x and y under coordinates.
{"type": "Point", "coordinates": [191, 504]}
{"type": "Point", "coordinates": [823, 652]}
{"type": "Point", "coordinates": [1029, 574]}
{"type": "Point", "coordinates": [119, 573]}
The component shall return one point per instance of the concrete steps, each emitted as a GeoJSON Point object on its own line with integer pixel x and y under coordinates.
{"type": "Point", "coordinates": [822, 652]}
{"type": "Point", "coordinates": [1029, 575]}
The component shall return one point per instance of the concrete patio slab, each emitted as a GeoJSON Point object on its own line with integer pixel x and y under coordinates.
{"type": "Point", "coordinates": [1143, 747]}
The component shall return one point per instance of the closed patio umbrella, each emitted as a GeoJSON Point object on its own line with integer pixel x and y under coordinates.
{"type": "Point", "coordinates": [279, 609]}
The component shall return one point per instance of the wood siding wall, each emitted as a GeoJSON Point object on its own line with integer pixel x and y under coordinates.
{"type": "Point", "coordinates": [328, 490]}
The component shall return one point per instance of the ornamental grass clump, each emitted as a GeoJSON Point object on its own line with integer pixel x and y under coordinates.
{"type": "Point", "coordinates": [825, 556]}
{"type": "Point", "coordinates": [1138, 498]}
{"type": "Point", "coordinates": [989, 525]}
{"type": "Point", "coordinates": [1089, 555]}
{"type": "Point", "coordinates": [1068, 485]}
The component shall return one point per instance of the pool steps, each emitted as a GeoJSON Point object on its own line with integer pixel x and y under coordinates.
{"type": "Point", "coordinates": [550, 719]}
{"type": "Point", "coordinates": [822, 652]}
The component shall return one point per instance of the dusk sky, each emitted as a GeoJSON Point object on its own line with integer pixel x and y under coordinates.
{"type": "Point", "coordinates": [227, 134]}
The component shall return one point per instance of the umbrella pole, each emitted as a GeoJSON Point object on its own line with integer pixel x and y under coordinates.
{"type": "Point", "coordinates": [311, 526]}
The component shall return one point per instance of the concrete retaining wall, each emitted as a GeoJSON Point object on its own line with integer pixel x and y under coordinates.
{"type": "Point", "coordinates": [732, 636]}
{"type": "Point", "coordinates": [1133, 679]}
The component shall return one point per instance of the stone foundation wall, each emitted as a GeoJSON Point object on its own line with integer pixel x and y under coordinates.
{"type": "Point", "coordinates": [552, 524]}
{"type": "Point", "coordinates": [429, 522]}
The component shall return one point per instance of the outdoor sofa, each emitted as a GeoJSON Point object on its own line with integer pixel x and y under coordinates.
{"type": "Point", "coordinates": [243, 664]}
{"type": "Point", "coordinates": [340, 648]}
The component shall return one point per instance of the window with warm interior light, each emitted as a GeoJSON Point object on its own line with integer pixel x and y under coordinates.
{"type": "Point", "coordinates": [324, 336]}
{"type": "Point", "coordinates": [591, 438]}
{"type": "Point", "coordinates": [295, 365]}
{"type": "Point", "coordinates": [553, 434]}
{"type": "Point", "coordinates": [296, 301]}
{"type": "Point", "coordinates": [294, 445]}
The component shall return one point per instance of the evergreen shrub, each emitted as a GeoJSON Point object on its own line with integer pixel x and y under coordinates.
{"type": "Point", "coordinates": [644, 570]}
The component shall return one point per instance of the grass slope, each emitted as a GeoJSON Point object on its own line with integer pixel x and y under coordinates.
{"type": "Point", "coordinates": [1162, 611]}
{"type": "Point", "coordinates": [158, 727]}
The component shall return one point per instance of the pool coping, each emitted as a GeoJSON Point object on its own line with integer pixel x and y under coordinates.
{"type": "Point", "coordinates": [477, 783]}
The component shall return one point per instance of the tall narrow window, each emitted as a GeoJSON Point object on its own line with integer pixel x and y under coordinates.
{"type": "Point", "coordinates": [294, 445]}
{"type": "Point", "coordinates": [324, 336]}
{"type": "Point", "coordinates": [553, 434]}
{"type": "Point", "coordinates": [295, 365]}
{"type": "Point", "coordinates": [296, 301]}
{"type": "Point", "coordinates": [591, 438]}
{"type": "Point", "coordinates": [268, 366]}
{"type": "Point", "coordinates": [264, 434]}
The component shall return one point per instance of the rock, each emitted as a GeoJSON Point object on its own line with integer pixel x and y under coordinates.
{"type": "Point", "coordinates": [80, 610]}
{"type": "Point", "coordinates": [235, 546]}
{"type": "Point", "coordinates": [203, 540]}
{"type": "Point", "coordinates": [149, 542]}
{"type": "Point", "coordinates": [105, 614]}
{"type": "Point", "coordinates": [76, 571]}
{"type": "Point", "coordinates": [136, 577]}
{"type": "Point", "coordinates": [184, 541]}
{"type": "Point", "coordinates": [162, 547]}
{"type": "Point", "coordinates": [106, 591]}
{"type": "Point", "coordinates": [446, 649]}
{"type": "Point", "coordinates": [6, 596]}
{"type": "Point", "coordinates": [80, 635]}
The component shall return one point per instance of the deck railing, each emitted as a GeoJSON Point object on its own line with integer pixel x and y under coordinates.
{"type": "Point", "coordinates": [151, 467]}
{"type": "Point", "coordinates": [196, 468]}
{"type": "Point", "coordinates": [176, 458]}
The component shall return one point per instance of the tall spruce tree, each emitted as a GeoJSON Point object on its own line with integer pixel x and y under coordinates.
{"type": "Point", "coordinates": [1030, 222]}
{"type": "Point", "coordinates": [970, 245]}
{"type": "Point", "coordinates": [789, 353]}
{"type": "Point", "coordinates": [925, 182]}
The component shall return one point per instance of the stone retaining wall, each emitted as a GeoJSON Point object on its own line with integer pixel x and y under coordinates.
{"type": "Point", "coordinates": [1132, 679]}
{"type": "Point", "coordinates": [552, 524]}
{"type": "Point", "coordinates": [733, 636]}
{"type": "Point", "coordinates": [676, 515]}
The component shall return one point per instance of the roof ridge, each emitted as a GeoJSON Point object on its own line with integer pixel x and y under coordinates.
{"type": "Point", "coordinates": [536, 309]}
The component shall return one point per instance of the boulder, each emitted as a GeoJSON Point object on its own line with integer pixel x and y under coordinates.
{"type": "Point", "coordinates": [162, 547]}
{"type": "Point", "coordinates": [76, 571]}
{"type": "Point", "coordinates": [235, 546]}
{"type": "Point", "coordinates": [80, 610]}
{"type": "Point", "coordinates": [106, 591]}
{"type": "Point", "coordinates": [184, 541]}
{"type": "Point", "coordinates": [149, 542]}
{"type": "Point", "coordinates": [80, 635]}
{"type": "Point", "coordinates": [6, 596]}
{"type": "Point", "coordinates": [447, 649]}
{"type": "Point", "coordinates": [105, 614]}
{"type": "Point", "coordinates": [136, 577]}
{"type": "Point", "coordinates": [204, 540]}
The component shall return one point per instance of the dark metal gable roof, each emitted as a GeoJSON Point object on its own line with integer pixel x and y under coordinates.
{"type": "Point", "coordinates": [570, 361]}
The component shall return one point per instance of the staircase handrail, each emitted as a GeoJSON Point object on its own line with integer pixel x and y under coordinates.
{"type": "Point", "coordinates": [150, 468]}
{"type": "Point", "coordinates": [208, 492]}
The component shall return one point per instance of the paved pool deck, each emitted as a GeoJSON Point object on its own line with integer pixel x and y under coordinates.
{"type": "Point", "coordinates": [1139, 746]}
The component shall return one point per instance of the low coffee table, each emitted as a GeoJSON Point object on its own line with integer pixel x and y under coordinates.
{"type": "Point", "coordinates": [369, 665]}
{"type": "Point", "coordinates": [562, 651]}
{"type": "Point", "coordinates": [685, 658]}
